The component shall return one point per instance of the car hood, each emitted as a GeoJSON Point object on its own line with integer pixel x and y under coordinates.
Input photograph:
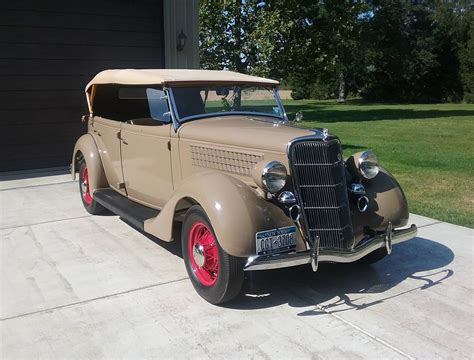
{"type": "Point", "coordinates": [244, 131]}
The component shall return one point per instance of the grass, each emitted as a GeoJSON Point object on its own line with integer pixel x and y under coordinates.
{"type": "Point", "coordinates": [429, 148]}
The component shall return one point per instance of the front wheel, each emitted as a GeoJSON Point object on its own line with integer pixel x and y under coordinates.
{"type": "Point", "coordinates": [216, 276]}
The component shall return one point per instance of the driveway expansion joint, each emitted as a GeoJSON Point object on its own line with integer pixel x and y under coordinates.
{"type": "Point", "coordinates": [92, 299]}
{"type": "Point", "coordinates": [44, 222]}
{"type": "Point", "coordinates": [37, 186]}
{"type": "Point", "coordinates": [365, 332]}
{"type": "Point", "coordinates": [426, 225]}
{"type": "Point", "coordinates": [379, 340]}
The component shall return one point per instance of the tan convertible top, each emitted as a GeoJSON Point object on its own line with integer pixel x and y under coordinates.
{"type": "Point", "coordinates": [169, 76]}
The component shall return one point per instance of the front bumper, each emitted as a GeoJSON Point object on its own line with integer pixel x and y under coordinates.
{"type": "Point", "coordinates": [385, 240]}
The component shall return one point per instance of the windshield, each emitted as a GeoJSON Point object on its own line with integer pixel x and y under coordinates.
{"type": "Point", "coordinates": [198, 101]}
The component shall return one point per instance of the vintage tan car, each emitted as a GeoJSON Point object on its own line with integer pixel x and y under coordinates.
{"type": "Point", "coordinates": [215, 151]}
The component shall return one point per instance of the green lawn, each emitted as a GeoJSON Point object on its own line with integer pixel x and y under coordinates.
{"type": "Point", "coordinates": [429, 148]}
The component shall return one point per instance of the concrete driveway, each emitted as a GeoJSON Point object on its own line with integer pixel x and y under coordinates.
{"type": "Point", "coordinates": [78, 286]}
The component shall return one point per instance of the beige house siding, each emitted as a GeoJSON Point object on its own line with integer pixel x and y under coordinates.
{"type": "Point", "coordinates": [181, 15]}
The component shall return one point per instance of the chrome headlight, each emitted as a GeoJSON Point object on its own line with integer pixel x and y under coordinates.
{"type": "Point", "coordinates": [368, 164]}
{"type": "Point", "coordinates": [274, 176]}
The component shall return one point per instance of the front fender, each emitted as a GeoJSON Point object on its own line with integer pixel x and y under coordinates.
{"type": "Point", "coordinates": [235, 210]}
{"type": "Point", "coordinates": [86, 146]}
{"type": "Point", "coordinates": [387, 203]}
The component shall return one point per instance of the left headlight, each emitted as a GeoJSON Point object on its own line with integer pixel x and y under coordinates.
{"type": "Point", "coordinates": [273, 177]}
{"type": "Point", "coordinates": [368, 164]}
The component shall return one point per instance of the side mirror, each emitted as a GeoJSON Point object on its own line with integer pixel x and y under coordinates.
{"type": "Point", "coordinates": [299, 116]}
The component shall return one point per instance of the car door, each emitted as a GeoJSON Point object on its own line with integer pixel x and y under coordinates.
{"type": "Point", "coordinates": [146, 154]}
{"type": "Point", "coordinates": [146, 163]}
{"type": "Point", "coordinates": [106, 134]}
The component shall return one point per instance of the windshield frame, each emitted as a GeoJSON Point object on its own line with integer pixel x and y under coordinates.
{"type": "Point", "coordinates": [183, 120]}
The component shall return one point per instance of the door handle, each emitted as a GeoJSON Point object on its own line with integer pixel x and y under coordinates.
{"type": "Point", "coordinates": [122, 139]}
{"type": "Point", "coordinates": [96, 131]}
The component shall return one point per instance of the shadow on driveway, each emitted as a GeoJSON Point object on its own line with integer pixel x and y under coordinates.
{"type": "Point", "coordinates": [344, 284]}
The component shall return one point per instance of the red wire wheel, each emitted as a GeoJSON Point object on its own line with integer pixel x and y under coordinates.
{"type": "Point", "coordinates": [216, 275]}
{"type": "Point", "coordinates": [91, 206]}
{"type": "Point", "coordinates": [84, 184]}
{"type": "Point", "coordinates": [203, 254]}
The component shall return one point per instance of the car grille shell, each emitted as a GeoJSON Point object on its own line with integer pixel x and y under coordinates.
{"type": "Point", "coordinates": [318, 174]}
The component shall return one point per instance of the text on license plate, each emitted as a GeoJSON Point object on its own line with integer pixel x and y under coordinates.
{"type": "Point", "coordinates": [276, 240]}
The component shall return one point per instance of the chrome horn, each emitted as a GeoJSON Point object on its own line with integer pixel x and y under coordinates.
{"type": "Point", "coordinates": [363, 203]}
{"type": "Point", "coordinates": [358, 192]}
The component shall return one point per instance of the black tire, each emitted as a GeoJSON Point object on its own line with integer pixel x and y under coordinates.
{"type": "Point", "coordinates": [91, 206]}
{"type": "Point", "coordinates": [373, 257]}
{"type": "Point", "coordinates": [230, 275]}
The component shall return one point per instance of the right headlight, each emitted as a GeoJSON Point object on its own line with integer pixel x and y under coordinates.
{"type": "Point", "coordinates": [273, 177]}
{"type": "Point", "coordinates": [368, 164]}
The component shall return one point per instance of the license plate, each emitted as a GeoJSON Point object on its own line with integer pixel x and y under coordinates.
{"type": "Point", "coordinates": [276, 240]}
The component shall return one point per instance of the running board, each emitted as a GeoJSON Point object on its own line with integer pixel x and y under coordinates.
{"type": "Point", "coordinates": [132, 212]}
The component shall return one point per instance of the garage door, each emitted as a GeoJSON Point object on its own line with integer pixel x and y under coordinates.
{"type": "Point", "coordinates": [49, 50]}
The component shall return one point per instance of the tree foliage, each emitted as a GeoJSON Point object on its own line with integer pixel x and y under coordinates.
{"type": "Point", "coordinates": [239, 35]}
{"type": "Point", "coordinates": [413, 53]}
{"type": "Point", "coordinates": [466, 57]}
{"type": "Point", "coordinates": [420, 51]}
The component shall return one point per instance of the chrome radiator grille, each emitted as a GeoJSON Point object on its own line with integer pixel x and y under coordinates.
{"type": "Point", "coordinates": [318, 178]}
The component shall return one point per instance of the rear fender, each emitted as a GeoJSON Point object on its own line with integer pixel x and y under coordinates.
{"type": "Point", "coordinates": [87, 148]}
{"type": "Point", "coordinates": [235, 211]}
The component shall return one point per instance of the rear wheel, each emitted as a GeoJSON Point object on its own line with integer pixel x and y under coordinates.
{"type": "Point", "coordinates": [216, 275]}
{"type": "Point", "coordinates": [92, 206]}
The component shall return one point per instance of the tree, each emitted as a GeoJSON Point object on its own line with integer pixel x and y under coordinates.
{"type": "Point", "coordinates": [412, 52]}
{"type": "Point", "coordinates": [239, 35]}
{"type": "Point", "coordinates": [321, 55]}
{"type": "Point", "coordinates": [340, 24]}
{"type": "Point", "coordinates": [449, 35]}
{"type": "Point", "coordinates": [387, 52]}
{"type": "Point", "coordinates": [384, 50]}
{"type": "Point", "coordinates": [466, 55]}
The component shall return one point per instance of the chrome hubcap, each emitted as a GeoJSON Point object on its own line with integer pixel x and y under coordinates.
{"type": "Point", "coordinates": [198, 254]}
{"type": "Point", "coordinates": [84, 185]}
